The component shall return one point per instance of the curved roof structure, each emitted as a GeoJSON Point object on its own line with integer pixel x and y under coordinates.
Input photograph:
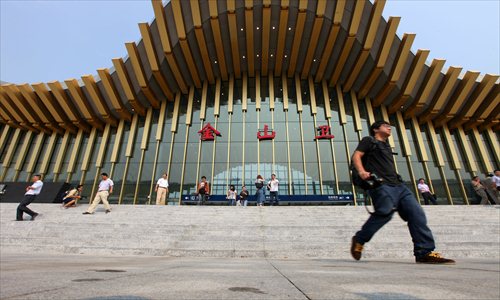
{"type": "Point", "coordinates": [344, 43]}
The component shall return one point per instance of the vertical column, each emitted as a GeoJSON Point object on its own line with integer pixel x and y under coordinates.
{"type": "Point", "coordinates": [470, 163]}
{"type": "Point", "coordinates": [405, 144]}
{"type": "Point", "coordinates": [284, 86]}
{"type": "Point", "coordinates": [314, 112]}
{"type": "Point", "coordinates": [74, 154]}
{"type": "Point", "coordinates": [483, 154]}
{"type": "Point", "coordinates": [35, 154]}
{"type": "Point", "coordinates": [455, 162]}
{"type": "Point", "coordinates": [369, 109]}
{"type": "Point", "coordinates": [244, 95]}
{"type": "Point", "coordinates": [88, 154]}
{"type": "Point", "coordinates": [271, 108]}
{"type": "Point", "coordinates": [48, 154]}
{"type": "Point", "coordinates": [189, 114]}
{"type": "Point", "coordinates": [203, 110]}
{"type": "Point", "coordinates": [10, 153]}
{"type": "Point", "coordinates": [298, 92]}
{"type": "Point", "coordinates": [173, 128]}
{"type": "Point", "coordinates": [230, 100]}
{"type": "Point", "coordinates": [421, 152]}
{"type": "Point", "coordinates": [22, 154]}
{"type": "Point", "coordinates": [116, 147]}
{"type": "Point", "coordinates": [101, 153]}
{"type": "Point", "coordinates": [328, 110]}
{"type": "Point", "coordinates": [128, 153]}
{"type": "Point", "coordinates": [356, 114]}
{"type": "Point", "coordinates": [216, 116]}
{"type": "Point", "coordinates": [159, 135]}
{"type": "Point", "coordinates": [439, 159]}
{"type": "Point", "coordinates": [144, 147]}
{"type": "Point", "coordinates": [61, 155]}
{"type": "Point", "coordinates": [3, 138]}
{"type": "Point", "coordinates": [494, 144]}
{"type": "Point", "coordinates": [343, 122]}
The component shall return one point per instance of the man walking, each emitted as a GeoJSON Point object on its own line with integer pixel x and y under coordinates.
{"type": "Point", "coordinates": [161, 190]}
{"type": "Point", "coordinates": [373, 156]}
{"type": "Point", "coordinates": [105, 189]}
{"type": "Point", "coordinates": [31, 192]}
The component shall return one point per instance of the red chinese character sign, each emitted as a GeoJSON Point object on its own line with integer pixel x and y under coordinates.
{"type": "Point", "coordinates": [265, 135]}
{"type": "Point", "coordinates": [208, 133]}
{"type": "Point", "coordinates": [324, 132]}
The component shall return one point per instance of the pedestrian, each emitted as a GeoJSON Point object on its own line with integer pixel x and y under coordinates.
{"type": "Point", "coordinates": [260, 194]}
{"type": "Point", "coordinates": [482, 192]}
{"type": "Point", "coordinates": [203, 190]}
{"type": "Point", "coordinates": [105, 189]}
{"type": "Point", "coordinates": [424, 190]}
{"type": "Point", "coordinates": [231, 196]}
{"type": "Point", "coordinates": [72, 196]}
{"type": "Point", "coordinates": [491, 188]}
{"type": "Point", "coordinates": [496, 179]}
{"type": "Point", "coordinates": [244, 196]}
{"type": "Point", "coordinates": [161, 189]}
{"type": "Point", "coordinates": [273, 187]}
{"type": "Point", "coordinates": [31, 192]}
{"type": "Point", "coordinates": [373, 160]}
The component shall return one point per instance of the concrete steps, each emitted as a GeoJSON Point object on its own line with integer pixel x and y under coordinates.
{"type": "Point", "coordinates": [211, 231]}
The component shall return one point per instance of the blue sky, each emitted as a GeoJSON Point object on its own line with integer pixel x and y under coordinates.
{"type": "Point", "coordinates": [42, 41]}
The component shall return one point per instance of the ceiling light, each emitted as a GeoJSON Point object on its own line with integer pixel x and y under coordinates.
{"type": "Point", "coordinates": [314, 59]}
{"type": "Point", "coordinates": [285, 55]}
{"type": "Point", "coordinates": [274, 27]}
{"type": "Point", "coordinates": [271, 55]}
{"type": "Point", "coordinates": [257, 55]}
{"type": "Point", "coordinates": [289, 28]}
{"type": "Point", "coordinates": [215, 61]}
{"type": "Point", "coordinates": [243, 56]}
{"type": "Point", "coordinates": [258, 28]}
{"type": "Point", "coordinates": [241, 29]}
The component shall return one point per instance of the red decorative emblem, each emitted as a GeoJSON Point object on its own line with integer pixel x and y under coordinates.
{"type": "Point", "coordinates": [265, 135]}
{"type": "Point", "coordinates": [207, 133]}
{"type": "Point", "coordinates": [324, 132]}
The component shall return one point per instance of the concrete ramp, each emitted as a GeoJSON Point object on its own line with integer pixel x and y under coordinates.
{"type": "Point", "coordinates": [270, 232]}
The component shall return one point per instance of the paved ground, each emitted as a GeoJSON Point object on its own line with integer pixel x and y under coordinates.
{"type": "Point", "coordinates": [38, 276]}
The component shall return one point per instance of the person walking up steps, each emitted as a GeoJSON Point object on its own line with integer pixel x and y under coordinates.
{"type": "Point", "coordinates": [105, 189]}
{"type": "Point", "coordinates": [374, 163]}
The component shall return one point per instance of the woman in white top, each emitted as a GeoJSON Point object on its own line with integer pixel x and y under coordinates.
{"type": "Point", "coordinates": [231, 196]}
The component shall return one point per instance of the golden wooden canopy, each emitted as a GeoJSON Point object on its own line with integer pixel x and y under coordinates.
{"type": "Point", "coordinates": [344, 43]}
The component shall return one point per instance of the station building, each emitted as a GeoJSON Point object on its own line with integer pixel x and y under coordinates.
{"type": "Point", "coordinates": [233, 89]}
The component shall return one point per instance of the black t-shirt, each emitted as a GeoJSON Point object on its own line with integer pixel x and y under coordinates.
{"type": "Point", "coordinates": [378, 159]}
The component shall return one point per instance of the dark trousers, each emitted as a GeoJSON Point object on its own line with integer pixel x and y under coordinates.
{"type": "Point", "coordinates": [23, 207]}
{"type": "Point", "coordinates": [429, 197]}
{"type": "Point", "coordinates": [387, 199]}
{"type": "Point", "coordinates": [274, 198]}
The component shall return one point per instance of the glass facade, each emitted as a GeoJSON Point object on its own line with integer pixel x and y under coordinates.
{"type": "Point", "coordinates": [156, 143]}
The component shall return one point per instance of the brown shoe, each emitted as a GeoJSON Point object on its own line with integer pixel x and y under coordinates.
{"type": "Point", "coordinates": [356, 249]}
{"type": "Point", "coordinates": [433, 258]}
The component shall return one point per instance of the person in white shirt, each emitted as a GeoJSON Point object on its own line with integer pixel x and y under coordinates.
{"type": "Point", "coordinates": [273, 186]}
{"type": "Point", "coordinates": [424, 190]}
{"type": "Point", "coordinates": [31, 192]}
{"type": "Point", "coordinates": [496, 179]}
{"type": "Point", "coordinates": [105, 189]}
{"type": "Point", "coordinates": [162, 190]}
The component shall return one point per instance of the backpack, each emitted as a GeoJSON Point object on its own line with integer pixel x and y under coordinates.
{"type": "Point", "coordinates": [356, 179]}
